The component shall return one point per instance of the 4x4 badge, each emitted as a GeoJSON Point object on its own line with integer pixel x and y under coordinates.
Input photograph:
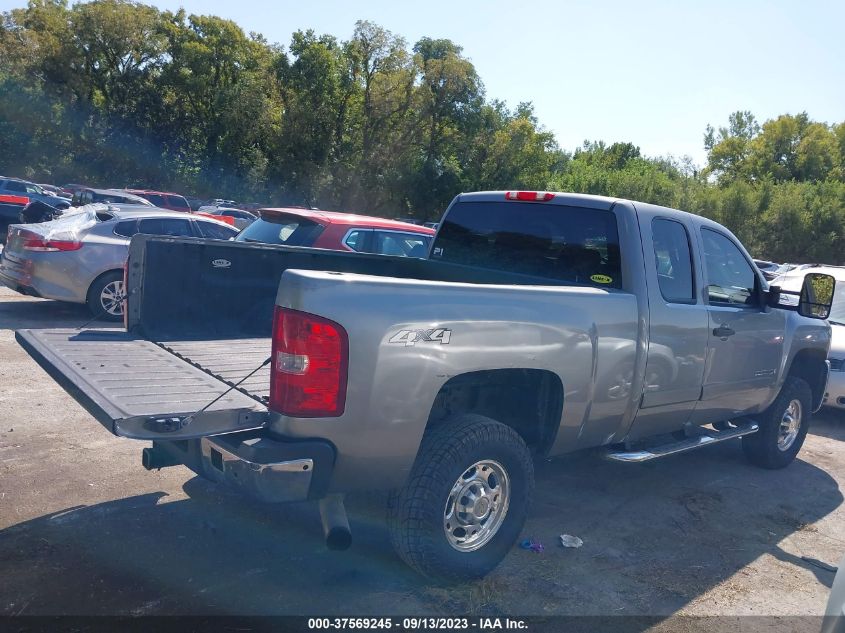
{"type": "Point", "coordinates": [409, 338]}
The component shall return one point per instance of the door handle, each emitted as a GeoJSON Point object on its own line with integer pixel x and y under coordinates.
{"type": "Point", "coordinates": [723, 331]}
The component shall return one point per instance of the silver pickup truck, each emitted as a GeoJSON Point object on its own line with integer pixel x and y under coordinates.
{"type": "Point", "coordinates": [541, 323]}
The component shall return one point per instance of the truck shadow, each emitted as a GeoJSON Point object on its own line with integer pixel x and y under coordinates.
{"type": "Point", "coordinates": [655, 536]}
{"type": "Point", "coordinates": [17, 312]}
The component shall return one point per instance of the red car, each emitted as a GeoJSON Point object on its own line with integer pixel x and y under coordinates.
{"type": "Point", "coordinates": [338, 231]}
{"type": "Point", "coordinates": [163, 199]}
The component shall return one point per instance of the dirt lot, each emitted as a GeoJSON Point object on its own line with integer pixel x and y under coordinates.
{"type": "Point", "coordinates": [85, 530]}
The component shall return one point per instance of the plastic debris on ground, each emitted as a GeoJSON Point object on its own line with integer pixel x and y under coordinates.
{"type": "Point", "coordinates": [531, 544]}
{"type": "Point", "coordinates": [567, 540]}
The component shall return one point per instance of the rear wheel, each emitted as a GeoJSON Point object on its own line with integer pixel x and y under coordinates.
{"type": "Point", "coordinates": [105, 297]}
{"type": "Point", "coordinates": [783, 427]}
{"type": "Point", "coordinates": [465, 501]}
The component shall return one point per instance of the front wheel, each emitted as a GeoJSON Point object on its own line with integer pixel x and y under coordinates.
{"type": "Point", "coordinates": [465, 501]}
{"type": "Point", "coordinates": [783, 427]}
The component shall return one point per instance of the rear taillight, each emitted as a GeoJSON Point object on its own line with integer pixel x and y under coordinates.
{"type": "Point", "coordinates": [50, 246]}
{"type": "Point", "coordinates": [309, 365]}
{"type": "Point", "coordinates": [529, 196]}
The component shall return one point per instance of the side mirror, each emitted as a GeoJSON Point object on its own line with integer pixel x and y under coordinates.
{"type": "Point", "coordinates": [816, 296]}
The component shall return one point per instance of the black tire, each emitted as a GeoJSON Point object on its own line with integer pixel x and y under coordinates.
{"type": "Point", "coordinates": [95, 302]}
{"type": "Point", "coordinates": [416, 513]}
{"type": "Point", "coordinates": [762, 448]}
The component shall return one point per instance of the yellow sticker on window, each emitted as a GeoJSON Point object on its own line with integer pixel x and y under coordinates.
{"type": "Point", "coordinates": [602, 279]}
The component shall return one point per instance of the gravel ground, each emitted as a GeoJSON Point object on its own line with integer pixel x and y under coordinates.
{"type": "Point", "coordinates": [85, 530]}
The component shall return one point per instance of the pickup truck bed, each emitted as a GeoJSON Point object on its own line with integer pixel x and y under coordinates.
{"type": "Point", "coordinates": [183, 348]}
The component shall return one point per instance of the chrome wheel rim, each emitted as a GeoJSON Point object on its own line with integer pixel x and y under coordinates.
{"type": "Point", "coordinates": [621, 386]}
{"type": "Point", "coordinates": [477, 505]}
{"type": "Point", "coordinates": [790, 425]}
{"type": "Point", "coordinates": [111, 298]}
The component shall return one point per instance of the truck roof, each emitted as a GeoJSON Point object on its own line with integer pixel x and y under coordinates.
{"type": "Point", "coordinates": [583, 200]}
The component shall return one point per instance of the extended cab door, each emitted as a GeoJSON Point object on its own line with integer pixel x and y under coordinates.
{"type": "Point", "coordinates": [678, 325]}
{"type": "Point", "coordinates": [745, 338]}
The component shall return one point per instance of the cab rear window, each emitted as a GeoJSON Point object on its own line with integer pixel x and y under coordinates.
{"type": "Point", "coordinates": [551, 241]}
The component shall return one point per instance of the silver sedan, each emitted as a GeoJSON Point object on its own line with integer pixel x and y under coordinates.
{"type": "Point", "coordinates": [84, 263]}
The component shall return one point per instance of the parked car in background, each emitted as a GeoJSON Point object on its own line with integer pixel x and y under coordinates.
{"type": "Point", "coordinates": [10, 210]}
{"type": "Point", "coordinates": [769, 269]}
{"type": "Point", "coordinates": [55, 191]}
{"type": "Point", "coordinates": [338, 231]}
{"type": "Point", "coordinates": [163, 199]}
{"type": "Point", "coordinates": [85, 265]}
{"type": "Point", "coordinates": [214, 203]}
{"type": "Point", "coordinates": [240, 219]}
{"type": "Point", "coordinates": [24, 188]}
{"type": "Point", "coordinates": [834, 396]}
{"type": "Point", "coordinates": [72, 188]}
{"type": "Point", "coordinates": [88, 195]}
{"type": "Point", "coordinates": [195, 203]}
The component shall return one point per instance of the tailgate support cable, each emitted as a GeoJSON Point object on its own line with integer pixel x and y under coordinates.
{"type": "Point", "coordinates": [191, 417]}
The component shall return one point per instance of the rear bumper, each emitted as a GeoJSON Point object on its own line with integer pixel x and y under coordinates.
{"type": "Point", "coordinates": [31, 277]}
{"type": "Point", "coordinates": [23, 289]}
{"type": "Point", "coordinates": [267, 469]}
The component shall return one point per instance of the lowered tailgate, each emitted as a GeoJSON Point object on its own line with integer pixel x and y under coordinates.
{"type": "Point", "coordinates": [139, 389]}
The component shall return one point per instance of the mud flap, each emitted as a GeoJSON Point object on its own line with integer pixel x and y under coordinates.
{"type": "Point", "coordinates": [138, 389]}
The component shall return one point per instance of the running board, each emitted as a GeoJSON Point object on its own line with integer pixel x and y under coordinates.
{"type": "Point", "coordinates": [706, 438]}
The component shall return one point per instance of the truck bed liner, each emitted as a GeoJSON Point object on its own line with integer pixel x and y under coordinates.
{"type": "Point", "coordinates": [230, 361]}
{"type": "Point", "coordinates": [144, 389]}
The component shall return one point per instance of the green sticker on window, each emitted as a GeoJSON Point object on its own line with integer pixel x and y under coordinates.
{"type": "Point", "coordinates": [602, 279]}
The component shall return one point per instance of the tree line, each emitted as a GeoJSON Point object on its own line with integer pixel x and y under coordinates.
{"type": "Point", "coordinates": [118, 93]}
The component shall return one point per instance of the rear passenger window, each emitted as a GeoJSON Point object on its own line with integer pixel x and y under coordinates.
{"type": "Point", "coordinates": [356, 240]}
{"type": "Point", "coordinates": [127, 228]}
{"type": "Point", "coordinates": [19, 187]}
{"type": "Point", "coordinates": [165, 226]}
{"type": "Point", "coordinates": [673, 260]}
{"type": "Point", "coordinates": [564, 243]}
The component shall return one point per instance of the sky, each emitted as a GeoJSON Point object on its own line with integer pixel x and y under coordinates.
{"type": "Point", "coordinates": [652, 73]}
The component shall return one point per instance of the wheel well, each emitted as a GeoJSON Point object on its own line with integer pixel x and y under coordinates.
{"type": "Point", "coordinates": [809, 365]}
{"type": "Point", "coordinates": [528, 400]}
